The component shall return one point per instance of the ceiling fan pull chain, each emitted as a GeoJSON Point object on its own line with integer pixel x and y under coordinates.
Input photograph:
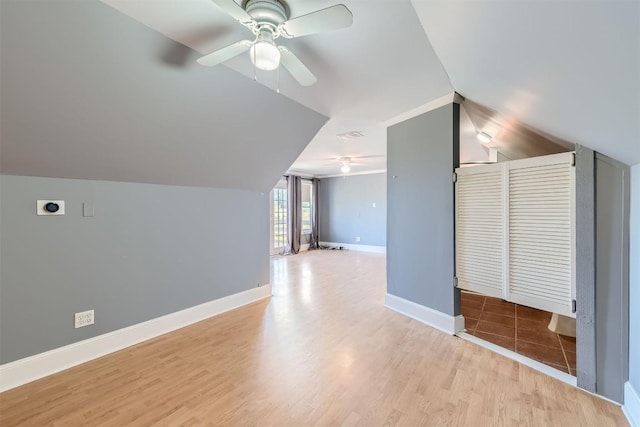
{"type": "Point", "coordinates": [278, 80]}
{"type": "Point", "coordinates": [255, 69]}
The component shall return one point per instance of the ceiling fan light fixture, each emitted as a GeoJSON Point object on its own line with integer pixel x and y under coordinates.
{"type": "Point", "coordinates": [346, 164]}
{"type": "Point", "coordinates": [264, 53]}
{"type": "Point", "coordinates": [269, 20]}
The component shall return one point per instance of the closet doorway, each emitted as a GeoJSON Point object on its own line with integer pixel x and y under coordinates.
{"type": "Point", "coordinates": [515, 256]}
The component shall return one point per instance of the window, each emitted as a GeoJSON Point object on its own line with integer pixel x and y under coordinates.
{"type": "Point", "coordinates": [307, 192]}
{"type": "Point", "coordinates": [279, 213]}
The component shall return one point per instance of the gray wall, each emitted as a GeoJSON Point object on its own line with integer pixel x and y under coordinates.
{"type": "Point", "coordinates": [585, 269]}
{"type": "Point", "coordinates": [612, 276]}
{"type": "Point", "coordinates": [422, 154]}
{"type": "Point", "coordinates": [149, 250]}
{"type": "Point", "coordinates": [90, 93]}
{"type": "Point", "coordinates": [634, 281]}
{"type": "Point", "coordinates": [346, 209]}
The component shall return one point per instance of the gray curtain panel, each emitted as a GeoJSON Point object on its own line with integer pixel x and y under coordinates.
{"type": "Point", "coordinates": [294, 190]}
{"type": "Point", "coordinates": [315, 207]}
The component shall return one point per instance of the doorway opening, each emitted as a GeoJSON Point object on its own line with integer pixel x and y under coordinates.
{"type": "Point", "coordinates": [515, 256]}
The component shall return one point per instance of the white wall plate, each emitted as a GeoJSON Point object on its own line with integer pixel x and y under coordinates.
{"type": "Point", "coordinates": [41, 207]}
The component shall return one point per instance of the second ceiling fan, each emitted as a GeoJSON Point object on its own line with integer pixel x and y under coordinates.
{"type": "Point", "coordinates": [268, 20]}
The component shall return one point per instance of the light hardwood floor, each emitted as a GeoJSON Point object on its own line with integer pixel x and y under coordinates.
{"type": "Point", "coordinates": [322, 351]}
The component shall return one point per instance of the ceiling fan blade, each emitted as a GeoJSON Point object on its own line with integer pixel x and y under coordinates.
{"type": "Point", "coordinates": [235, 10]}
{"type": "Point", "coordinates": [224, 54]}
{"type": "Point", "coordinates": [331, 18]}
{"type": "Point", "coordinates": [371, 156]}
{"type": "Point", "coordinates": [298, 70]}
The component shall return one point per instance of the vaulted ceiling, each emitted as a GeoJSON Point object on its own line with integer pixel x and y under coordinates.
{"type": "Point", "coordinates": [112, 91]}
{"type": "Point", "coordinates": [381, 66]}
{"type": "Point", "coordinates": [568, 68]}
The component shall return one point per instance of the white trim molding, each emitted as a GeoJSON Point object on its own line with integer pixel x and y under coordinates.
{"type": "Point", "coordinates": [31, 368]}
{"type": "Point", "coordinates": [339, 175]}
{"type": "Point", "coordinates": [430, 317]}
{"type": "Point", "coordinates": [429, 106]}
{"type": "Point", "coordinates": [631, 406]}
{"type": "Point", "coordinates": [357, 248]}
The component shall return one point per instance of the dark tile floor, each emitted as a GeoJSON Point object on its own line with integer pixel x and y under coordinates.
{"type": "Point", "coordinates": [520, 329]}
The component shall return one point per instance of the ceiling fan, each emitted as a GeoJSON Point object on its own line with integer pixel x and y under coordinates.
{"type": "Point", "coordinates": [268, 20]}
{"type": "Point", "coordinates": [347, 162]}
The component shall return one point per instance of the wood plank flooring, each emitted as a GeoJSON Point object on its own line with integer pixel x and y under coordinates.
{"type": "Point", "coordinates": [323, 351]}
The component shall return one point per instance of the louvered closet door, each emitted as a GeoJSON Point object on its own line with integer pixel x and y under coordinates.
{"type": "Point", "coordinates": [479, 229]}
{"type": "Point", "coordinates": [541, 236]}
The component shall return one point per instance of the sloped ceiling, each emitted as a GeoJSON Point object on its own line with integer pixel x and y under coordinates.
{"type": "Point", "coordinates": [380, 67]}
{"type": "Point", "coordinates": [85, 93]}
{"type": "Point", "coordinates": [88, 92]}
{"type": "Point", "coordinates": [568, 68]}
{"type": "Point", "coordinates": [510, 137]}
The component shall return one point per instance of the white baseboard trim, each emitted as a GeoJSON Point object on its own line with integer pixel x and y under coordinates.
{"type": "Point", "coordinates": [430, 317]}
{"type": "Point", "coordinates": [31, 368]}
{"type": "Point", "coordinates": [631, 406]}
{"type": "Point", "coordinates": [358, 248]}
{"type": "Point", "coordinates": [545, 369]}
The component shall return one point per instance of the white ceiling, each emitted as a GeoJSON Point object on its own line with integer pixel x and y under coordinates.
{"type": "Point", "coordinates": [568, 68]}
{"type": "Point", "coordinates": [378, 68]}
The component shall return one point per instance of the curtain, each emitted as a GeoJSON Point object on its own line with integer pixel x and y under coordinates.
{"type": "Point", "coordinates": [315, 207]}
{"type": "Point", "coordinates": [294, 190]}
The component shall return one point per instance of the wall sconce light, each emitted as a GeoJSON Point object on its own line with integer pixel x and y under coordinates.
{"type": "Point", "coordinates": [485, 138]}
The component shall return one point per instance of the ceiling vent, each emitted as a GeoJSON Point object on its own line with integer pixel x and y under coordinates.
{"type": "Point", "coordinates": [350, 135]}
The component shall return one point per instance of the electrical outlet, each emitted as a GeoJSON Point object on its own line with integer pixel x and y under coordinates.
{"type": "Point", "coordinates": [84, 318]}
{"type": "Point", "coordinates": [357, 239]}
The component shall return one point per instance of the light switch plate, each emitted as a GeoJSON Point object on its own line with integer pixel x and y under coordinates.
{"type": "Point", "coordinates": [87, 209]}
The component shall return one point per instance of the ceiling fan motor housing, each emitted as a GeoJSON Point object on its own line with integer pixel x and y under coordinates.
{"type": "Point", "coordinates": [267, 13]}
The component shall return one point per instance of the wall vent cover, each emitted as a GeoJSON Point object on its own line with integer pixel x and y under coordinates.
{"type": "Point", "coordinates": [350, 135]}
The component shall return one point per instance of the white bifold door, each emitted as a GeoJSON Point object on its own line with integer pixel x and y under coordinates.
{"type": "Point", "coordinates": [515, 231]}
